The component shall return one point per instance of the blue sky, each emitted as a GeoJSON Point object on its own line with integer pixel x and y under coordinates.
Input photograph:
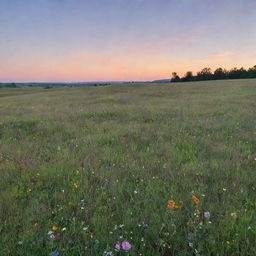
{"type": "Point", "coordinates": [92, 40]}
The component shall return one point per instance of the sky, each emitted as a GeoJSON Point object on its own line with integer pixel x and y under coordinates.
{"type": "Point", "coordinates": [121, 40]}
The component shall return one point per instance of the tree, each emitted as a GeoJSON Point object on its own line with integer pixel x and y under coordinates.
{"type": "Point", "coordinates": [205, 74]}
{"type": "Point", "coordinates": [188, 77]}
{"type": "Point", "coordinates": [236, 73]}
{"type": "Point", "coordinates": [252, 72]}
{"type": "Point", "coordinates": [220, 73]}
{"type": "Point", "coordinates": [175, 77]}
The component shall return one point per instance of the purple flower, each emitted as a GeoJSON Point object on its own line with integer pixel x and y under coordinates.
{"type": "Point", "coordinates": [118, 246]}
{"type": "Point", "coordinates": [207, 214]}
{"type": "Point", "coordinates": [126, 246]}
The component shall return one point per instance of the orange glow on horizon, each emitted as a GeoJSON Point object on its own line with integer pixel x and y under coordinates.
{"type": "Point", "coordinates": [145, 66]}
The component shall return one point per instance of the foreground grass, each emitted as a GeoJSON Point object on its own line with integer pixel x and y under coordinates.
{"type": "Point", "coordinates": [98, 166]}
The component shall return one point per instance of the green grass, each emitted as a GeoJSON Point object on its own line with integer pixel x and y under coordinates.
{"type": "Point", "coordinates": [125, 151]}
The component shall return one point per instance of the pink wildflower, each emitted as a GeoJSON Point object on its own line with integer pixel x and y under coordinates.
{"type": "Point", "coordinates": [126, 246]}
{"type": "Point", "coordinates": [118, 246]}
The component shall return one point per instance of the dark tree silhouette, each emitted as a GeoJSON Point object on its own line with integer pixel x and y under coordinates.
{"type": "Point", "coordinates": [252, 72]}
{"type": "Point", "coordinates": [188, 77]}
{"type": "Point", "coordinates": [219, 73]}
{"type": "Point", "coordinates": [205, 74]}
{"type": "Point", "coordinates": [175, 77]}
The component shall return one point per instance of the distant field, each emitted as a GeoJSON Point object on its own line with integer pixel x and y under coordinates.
{"type": "Point", "coordinates": [99, 165]}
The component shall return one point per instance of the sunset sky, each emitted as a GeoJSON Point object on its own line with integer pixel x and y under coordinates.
{"type": "Point", "coordinates": [99, 40]}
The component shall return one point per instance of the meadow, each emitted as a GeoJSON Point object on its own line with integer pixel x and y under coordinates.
{"type": "Point", "coordinates": [130, 169]}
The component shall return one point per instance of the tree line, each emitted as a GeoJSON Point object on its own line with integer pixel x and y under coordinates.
{"type": "Point", "coordinates": [218, 74]}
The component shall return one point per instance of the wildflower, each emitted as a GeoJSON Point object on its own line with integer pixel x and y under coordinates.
{"type": "Point", "coordinates": [233, 214]}
{"type": "Point", "coordinates": [207, 214]}
{"type": "Point", "coordinates": [118, 246]}
{"type": "Point", "coordinates": [52, 237]}
{"type": "Point", "coordinates": [64, 229]}
{"type": "Point", "coordinates": [54, 228]}
{"type": "Point", "coordinates": [197, 211]}
{"type": "Point", "coordinates": [172, 205]}
{"type": "Point", "coordinates": [75, 186]}
{"type": "Point", "coordinates": [143, 224]}
{"type": "Point", "coordinates": [195, 199]}
{"type": "Point", "coordinates": [107, 253]}
{"type": "Point", "coordinates": [190, 244]}
{"type": "Point", "coordinates": [55, 253]}
{"type": "Point", "coordinates": [126, 246]}
{"type": "Point", "coordinates": [20, 243]}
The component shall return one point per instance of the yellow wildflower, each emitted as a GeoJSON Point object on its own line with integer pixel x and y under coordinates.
{"type": "Point", "coordinates": [54, 228]}
{"type": "Point", "coordinates": [75, 185]}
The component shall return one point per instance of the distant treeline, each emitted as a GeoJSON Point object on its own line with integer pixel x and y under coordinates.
{"type": "Point", "coordinates": [218, 74]}
{"type": "Point", "coordinates": [50, 85]}
{"type": "Point", "coordinates": [8, 85]}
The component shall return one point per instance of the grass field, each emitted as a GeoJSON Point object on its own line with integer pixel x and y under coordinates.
{"type": "Point", "coordinates": [100, 165]}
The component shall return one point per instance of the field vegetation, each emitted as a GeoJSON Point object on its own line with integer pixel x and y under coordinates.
{"type": "Point", "coordinates": [136, 169]}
